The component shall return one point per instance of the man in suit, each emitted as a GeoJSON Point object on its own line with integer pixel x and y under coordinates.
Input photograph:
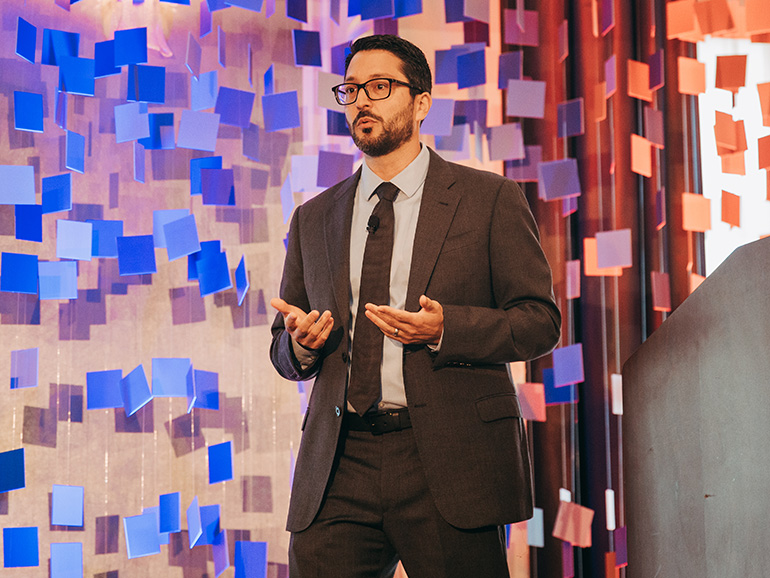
{"type": "Point", "coordinates": [413, 445]}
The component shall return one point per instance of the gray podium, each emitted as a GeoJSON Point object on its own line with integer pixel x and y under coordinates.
{"type": "Point", "coordinates": [696, 431]}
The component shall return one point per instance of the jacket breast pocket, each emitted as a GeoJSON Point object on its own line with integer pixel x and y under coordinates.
{"type": "Point", "coordinates": [499, 406]}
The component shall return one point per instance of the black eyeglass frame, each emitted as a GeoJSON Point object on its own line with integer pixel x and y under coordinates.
{"type": "Point", "coordinates": [335, 89]}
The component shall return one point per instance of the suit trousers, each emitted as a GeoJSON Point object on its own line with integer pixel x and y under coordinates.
{"type": "Point", "coordinates": [378, 509]}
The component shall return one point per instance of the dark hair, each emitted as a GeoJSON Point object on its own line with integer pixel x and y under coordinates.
{"type": "Point", "coordinates": [413, 63]}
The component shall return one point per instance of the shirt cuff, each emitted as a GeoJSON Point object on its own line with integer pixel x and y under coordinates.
{"type": "Point", "coordinates": [306, 357]}
{"type": "Point", "coordinates": [437, 347]}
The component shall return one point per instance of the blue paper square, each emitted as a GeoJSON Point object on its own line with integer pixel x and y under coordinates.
{"type": "Point", "coordinates": [220, 462]}
{"type": "Point", "coordinates": [568, 365]}
{"type": "Point", "coordinates": [297, 10]}
{"type": "Point", "coordinates": [250, 559]}
{"type": "Point", "coordinates": [24, 367]}
{"type": "Point", "coordinates": [221, 553]}
{"type": "Point", "coordinates": [407, 8]}
{"type": "Point", "coordinates": [27, 111]}
{"type": "Point", "coordinates": [76, 75]}
{"type": "Point", "coordinates": [74, 240]}
{"type": "Point", "coordinates": [307, 47]}
{"type": "Point", "coordinates": [160, 218]}
{"type": "Point", "coordinates": [104, 59]}
{"type": "Point", "coordinates": [169, 376]}
{"type": "Point", "coordinates": [26, 37]}
{"type": "Point", "coordinates": [208, 249]}
{"type": "Point", "coordinates": [210, 516]}
{"type": "Point", "coordinates": [130, 46]}
{"type": "Point", "coordinates": [29, 222]}
{"type": "Point", "coordinates": [218, 186]}
{"type": "Point", "coordinates": [20, 547]}
{"type": "Point", "coordinates": [146, 83]}
{"type": "Point", "coordinates": [142, 537]}
{"type": "Point", "coordinates": [213, 274]}
{"type": "Point", "coordinates": [336, 123]}
{"type": "Point", "coordinates": [12, 470]}
{"type": "Point", "coordinates": [136, 255]}
{"type": "Point", "coordinates": [234, 106]}
{"type": "Point", "coordinates": [181, 237]}
{"type": "Point", "coordinates": [222, 47]}
{"type": "Point", "coordinates": [241, 280]}
{"type": "Point", "coordinates": [371, 9]}
{"type": "Point", "coordinates": [557, 395]}
{"type": "Point", "coordinates": [57, 193]}
{"type": "Point", "coordinates": [67, 505]}
{"type": "Point", "coordinates": [204, 91]}
{"type": "Point", "coordinates": [280, 111]}
{"type": "Point", "coordinates": [198, 130]}
{"type": "Point", "coordinates": [194, 524]}
{"type": "Point", "coordinates": [170, 509]}
{"type": "Point", "coordinates": [131, 122]}
{"type": "Point", "coordinates": [161, 132]}
{"type": "Point", "coordinates": [471, 69]}
{"type": "Point", "coordinates": [66, 560]}
{"type": "Point", "coordinates": [58, 279]}
{"type": "Point", "coordinates": [339, 54]}
{"type": "Point", "coordinates": [57, 44]}
{"type": "Point", "coordinates": [103, 389]}
{"type": "Point", "coordinates": [195, 171]}
{"type": "Point", "coordinates": [269, 80]}
{"type": "Point", "coordinates": [18, 273]}
{"type": "Point", "coordinates": [60, 109]}
{"type": "Point", "coordinates": [22, 192]}
{"type": "Point", "coordinates": [206, 389]}
{"type": "Point", "coordinates": [105, 237]}
{"type": "Point", "coordinates": [253, 5]}
{"type": "Point", "coordinates": [163, 537]}
{"type": "Point", "coordinates": [75, 152]}
{"type": "Point", "coordinates": [135, 390]}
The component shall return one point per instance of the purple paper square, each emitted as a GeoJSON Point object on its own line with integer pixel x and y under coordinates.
{"type": "Point", "coordinates": [526, 98]}
{"type": "Point", "coordinates": [568, 365]}
{"type": "Point", "coordinates": [198, 130]}
{"type": "Point", "coordinates": [610, 76]}
{"type": "Point", "coordinates": [234, 106]}
{"type": "Point", "coordinates": [529, 35]}
{"type": "Point", "coordinates": [570, 118]}
{"type": "Point", "coordinates": [657, 69]}
{"type": "Point", "coordinates": [613, 248]}
{"type": "Point", "coordinates": [509, 68]}
{"type": "Point", "coordinates": [621, 546]}
{"type": "Point", "coordinates": [608, 16]}
{"type": "Point", "coordinates": [440, 118]}
{"type": "Point", "coordinates": [525, 170]}
{"type": "Point", "coordinates": [280, 110]}
{"type": "Point", "coordinates": [558, 179]}
{"type": "Point", "coordinates": [339, 53]}
{"type": "Point", "coordinates": [506, 142]}
{"type": "Point", "coordinates": [333, 167]}
{"type": "Point", "coordinates": [371, 9]}
{"type": "Point", "coordinates": [218, 186]}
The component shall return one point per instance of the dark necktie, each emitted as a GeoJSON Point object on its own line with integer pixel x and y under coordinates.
{"type": "Point", "coordinates": [365, 382]}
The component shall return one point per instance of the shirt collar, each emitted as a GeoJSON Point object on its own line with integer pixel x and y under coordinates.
{"type": "Point", "coordinates": [408, 180]}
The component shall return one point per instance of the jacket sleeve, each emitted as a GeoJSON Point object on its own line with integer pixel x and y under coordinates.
{"type": "Point", "coordinates": [293, 292]}
{"type": "Point", "coordinates": [523, 321]}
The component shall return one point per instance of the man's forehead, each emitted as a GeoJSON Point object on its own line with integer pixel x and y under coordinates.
{"type": "Point", "coordinates": [374, 64]}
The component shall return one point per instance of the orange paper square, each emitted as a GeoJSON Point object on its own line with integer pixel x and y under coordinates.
{"type": "Point", "coordinates": [764, 102]}
{"type": "Point", "coordinates": [573, 524]}
{"type": "Point", "coordinates": [696, 212]}
{"type": "Point", "coordinates": [757, 16]}
{"type": "Point", "coordinates": [731, 209]}
{"type": "Point", "coordinates": [734, 163]}
{"type": "Point", "coordinates": [695, 281]}
{"type": "Point", "coordinates": [639, 80]}
{"type": "Point", "coordinates": [730, 135]}
{"type": "Point", "coordinates": [731, 72]}
{"type": "Point", "coordinates": [713, 16]}
{"type": "Point", "coordinates": [591, 260]}
{"type": "Point", "coordinates": [764, 152]}
{"type": "Point", "coordinates": [661, 291]}
{"type": "Point", "coordinates": [641, 155]}
{"type": "Point", "coordinates": [532, 400]}
{"type": "Point", "coordinates": [601, 101]}
{"type": "Point", "coordinates": [610, 569]}
{"type": "Point", "coordinates": [680, 18]}
{"type": "Point", "coordinates": [692, 75]}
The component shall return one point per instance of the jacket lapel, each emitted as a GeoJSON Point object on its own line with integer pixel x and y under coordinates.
{"type": "Point", "coordinates": [438, 207]}
{"type": "Point", "coordinates": [337, 238]}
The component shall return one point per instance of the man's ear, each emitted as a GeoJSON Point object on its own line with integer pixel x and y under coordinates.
{"type": "Point", "coordinates": [422, 105]}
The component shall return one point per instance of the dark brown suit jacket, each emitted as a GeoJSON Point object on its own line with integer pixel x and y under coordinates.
{"type": "Point", "coordinates": [477, 252]}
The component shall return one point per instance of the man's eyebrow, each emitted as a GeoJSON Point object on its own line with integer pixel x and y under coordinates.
{"type": "Point", "coordinates": [369, 77]}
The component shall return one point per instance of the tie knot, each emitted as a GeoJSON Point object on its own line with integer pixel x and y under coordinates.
{"type": "Point", "coordinates": [387, 191]}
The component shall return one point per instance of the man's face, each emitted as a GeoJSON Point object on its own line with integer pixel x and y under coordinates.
{"type": "Point", "coordinates": [381, 126]}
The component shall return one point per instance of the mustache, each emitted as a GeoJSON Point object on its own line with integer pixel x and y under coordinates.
{"type": "Point", "coordinates": [361, 115]}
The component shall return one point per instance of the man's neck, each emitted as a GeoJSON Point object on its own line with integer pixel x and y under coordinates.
{"type": "Point", "coordinates": [388, 166]}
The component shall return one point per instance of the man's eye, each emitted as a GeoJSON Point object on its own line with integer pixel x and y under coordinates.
{"type": "Point", "coordinates": [350, 89]}
{"type": "Point", "coordinates": [381, 86]}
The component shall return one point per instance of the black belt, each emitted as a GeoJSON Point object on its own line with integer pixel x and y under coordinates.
{"type": "Point", "coordinates": [379, 422]}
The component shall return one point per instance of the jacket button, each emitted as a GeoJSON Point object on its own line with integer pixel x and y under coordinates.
{"type": "Point", "coordinates": [337, 410]}
{"type": "Point", "coordinates": [344, 357]}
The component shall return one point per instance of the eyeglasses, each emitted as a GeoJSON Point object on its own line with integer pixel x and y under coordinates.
{"type": "Point", "coordinates": [376, 89]}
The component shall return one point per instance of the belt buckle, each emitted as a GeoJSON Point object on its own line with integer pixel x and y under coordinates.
{"type": "Point", "coordinates": [384, 423]}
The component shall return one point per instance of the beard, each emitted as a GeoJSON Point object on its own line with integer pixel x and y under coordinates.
{"type": "Point", "coordinates": [395, 132]}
